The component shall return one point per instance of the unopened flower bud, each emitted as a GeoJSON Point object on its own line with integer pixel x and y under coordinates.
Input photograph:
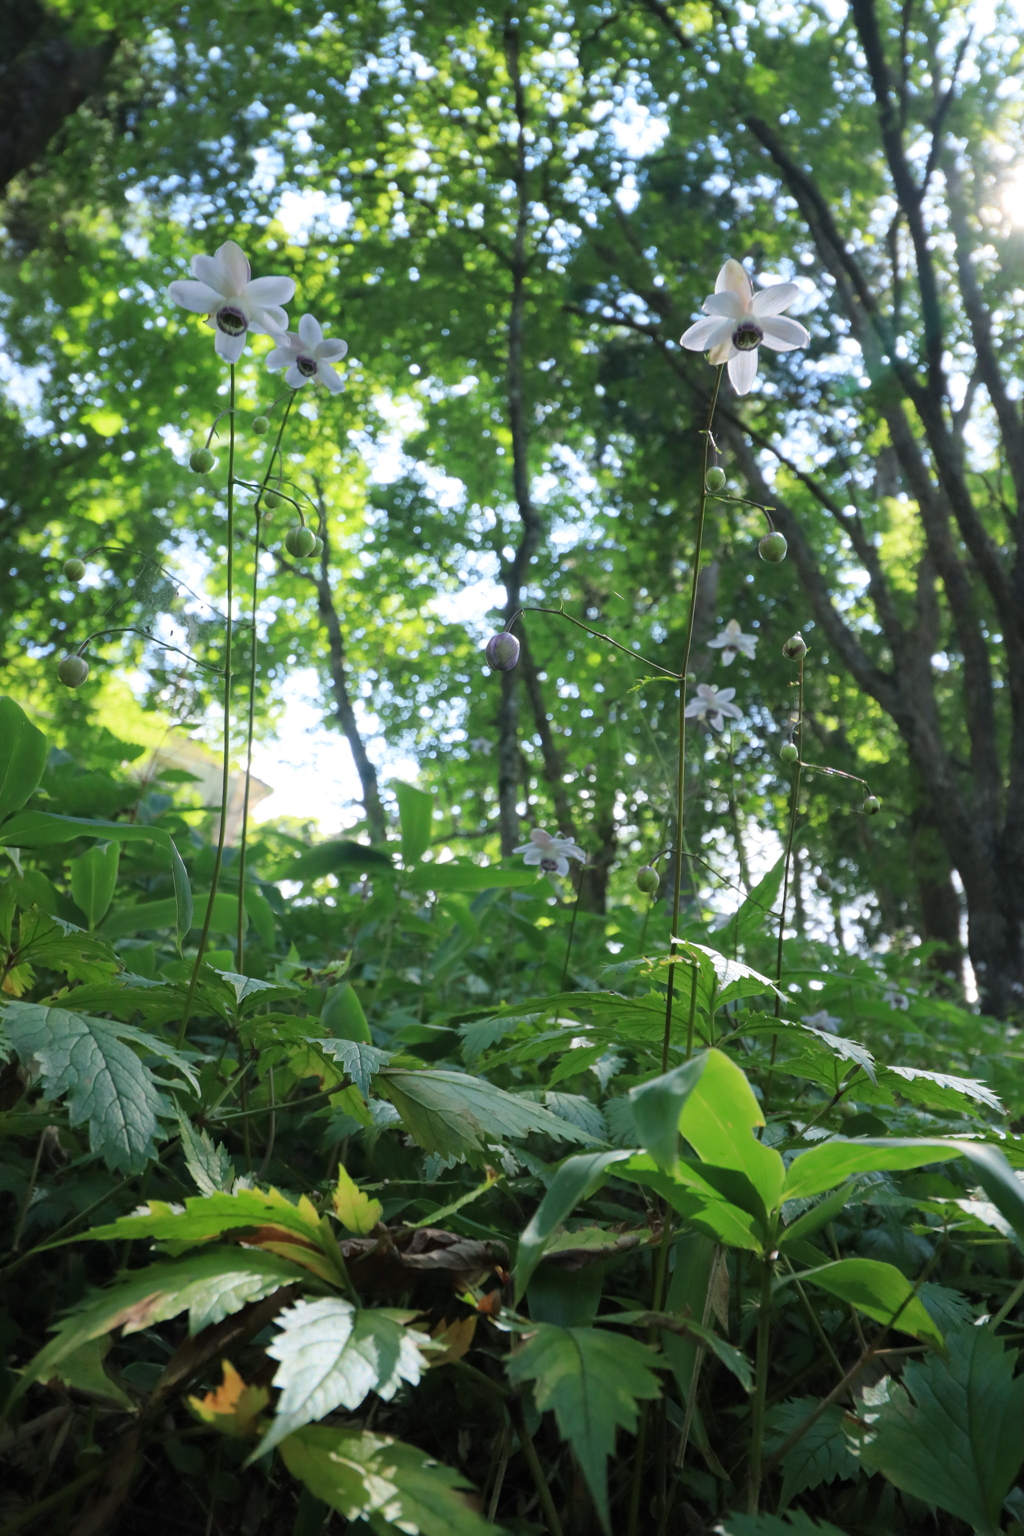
{"type": "Point", "coordinates": [271, 500]}
{"type": "Point", "coordinates": [502, 652]}
{"type": "Point", "coordinates": [824, 884]}
{"type": "Point", "coordinates": [260, 425]}
{"type": "Point", "coordinates": [201, 460]}
{"type": "Point", "coordinates": [73, 671]}
{"type": "Point", "coordinates": [788, 752]}
{"type": "Point", "coordinates": [74, 570]}
{"type": "Point", "coordinates": [300, 541]}
{"type": "Point", "coordinates": [714, 480]}
{"type": "Point", "coordinates": [795, 648]}
{"type": "Point", "coordinates": [691, 677]}
{"type": "Point", "coordinates": [647, 879]}
{"type": "Point", "coordinates": [772, 547]}
{"type": "Point", "coordinates": [872, 805]}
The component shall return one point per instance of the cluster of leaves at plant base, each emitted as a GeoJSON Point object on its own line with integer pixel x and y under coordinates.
{"type": "Point", "coordinates": [306, 1264]}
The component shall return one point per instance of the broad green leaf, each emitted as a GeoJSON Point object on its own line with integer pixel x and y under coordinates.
{"type": "Point", "coordinates": [679, 1324]}
{"type": "Point", "coordinates": [415, 815]}
{"type": "Point", "coordinates": [693, 1269]}
{"type": "Point", "coordinates": [209, 1286]}
{"type": "Point", "coordinates": [826, 1210]}
{"type": "Point", "coordinates": [207, 1161]}
{"type": "Point", "coordinates": [354, 1209]}
{"type": "Point", "coordinates": [831, 1162]}
{"type": "Point", "coordinates": [332, 1356]}
{"type": "Point", "coordinates": [698, 1203]}
{"type": "Point", "coordinates": [657, 1106]}
{"type": "Point", "coordinates": [754, 917]}
{"type": "Point", "coordinates": [575, 1181]}
{"type": "Point", "coordinates": [795, 1523]}
{"type": "Point", "coordinates": [337, 854]}
{"type": "Point", "coordinates": [40, 829]}
{"type": "Point", "coordinates": [144, 916]}
{"type": "Point", "coordinates": [719, 1119]}
{"type": "Point", "coordinates": [953, 1433]}
{"type": "Point", "coordinates": [593, 1380]}
{"type": "Point", "coordinates": [820, 1455]}
{"type": "Point", "coordinates": [342, 1015]}
{"type": "Point", "coordinates": [453, 1114]}
{"type": "Point", "coordinates": [393, 1485]}
{"type": "Point", "coordinates": [51, 943]}
{"type": "Point", "coordinates": [998, 1180]}
{"type": "Point", "coordinates": [260, 914]}
{"type": "Point", "coordinates": [83, 1371]}
{"type": "Point", "coordinates": [876, 1289]}
{"type": "Point", "coordinates": [22, 757]}
{"type": "Point", "coordinates": [92, 1062]}
{"type": "Point", "coordinates": [94, 880]}
{"type": "Point", "coordinates": [466, 877]}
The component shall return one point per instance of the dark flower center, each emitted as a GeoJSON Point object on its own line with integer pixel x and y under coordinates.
{"type": "Point", "coordinates": [231, 321]}
{"type": "Point", "coordinates": [747, 336]}
{"type": "Point", "coordinates": [549, 866]}
{"type": "Point", "coordinates": [306, 366]}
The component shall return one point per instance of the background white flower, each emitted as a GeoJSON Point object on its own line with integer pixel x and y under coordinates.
{"type": "Point", "coordinates": [740, 321]}
{"type": "Point", "coordinates": [713, 704]}
{"type": "Point", "coordinates": [827, 1022]}
{"type": "Point", "coordinates": [551, 853]}
{"type": "Point", "coordinates": [731, 640]}
{"type": "Point", "coordinates": [232, 300]}
{"type": "Point", "coordinates": [308, 356]}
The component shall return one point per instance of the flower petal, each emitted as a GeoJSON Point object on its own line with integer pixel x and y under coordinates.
{"type": "Point", "coordinates": [728, 656]}
{"type": "Point", "coordinates": [234, 265]}
{"type": "Point", "coordinates": [265, 291]}
{"type": "Point", "coordinates": [295, 378]}
{"type": "Point", "coordinates": [743, 370]}
{"type": "Point", "coordinates": [562, 865]}
{"type": "Point", "coordinates": [230, 348]}
{"type": "Point", "coordinates": [775, 298]}
{"type": "Point", "coordinates": [733, 279]}
{"type": "Point", "coordinates": [541, 839]}
{"type": "Point", "coordinates": [783, 334]}
{"type": "Point", "coordinates": [279, 358]}
{"type": "Point", "coordinates": [331, 377]}
{"type": "Point", "coordinates": [200, 298]}
{"type": "Point", "coordinates": [706, 333]}
{"type": "Point", "coordinates": [210, 270]}
{"type": "Point", "coordinates": [310, 332]}
{"type": "Point", "coordinates": [268, 318]}
{"type": "Point", "coordinates": [716, 721]}
{"type": "Point", "coordinates": [726, 303]}
{"type": "Point", "coordinates": [331, 351]}
{"type": "Point", "coordinates": [724, 350]}
{"type": "Point", "coordinates": [723, 695]}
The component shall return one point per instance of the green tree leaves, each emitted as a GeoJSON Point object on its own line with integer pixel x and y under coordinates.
{"type": "Point", "coordinates": [453, 1114]}
{"type": "Point", "coordinates": [22, 757]}
{"type": "Point", "coordinates": [592, 1380]}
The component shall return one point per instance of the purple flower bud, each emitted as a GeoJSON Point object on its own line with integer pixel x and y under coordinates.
{"type": "Point", "coordinates": [502, 652]}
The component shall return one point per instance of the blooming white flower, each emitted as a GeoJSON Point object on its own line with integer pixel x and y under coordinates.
{"type": "Point", "coordinates": [731, 640]}
{"type": "Point", "coordinates": [232, 300]}
{"type": "Point", "coordinates": [740, 320]}
{"type": "Point", "coordinates": [481, 744]}
{"type": "Point", "coordinates": [827, 1022]}
{"type": "Point", "coordinates": [551, 853]}
{"type": "Point", "coordinates": [307, 356]}
{"type": "Point", "coordinates": [713, 704]}
{"type": "Point", "coordinates": [894, 999]}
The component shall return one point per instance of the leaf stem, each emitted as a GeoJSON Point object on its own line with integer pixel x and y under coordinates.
{"type": "Point", "coordinates": [794, 806]}
{"type": "Point", "coordinates": [760, 1390]}
{"type": "Point", "coordinates": [540, 1482]}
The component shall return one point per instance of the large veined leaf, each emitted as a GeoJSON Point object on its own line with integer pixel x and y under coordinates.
{"type": "Point", "coordinates": [392, 1485]}
{"type": "Point", "coordinates": [593, 1381]}
{"type": "Point", "coordinates": [93, 1063]}
{"type": "Point", "coordinates": [453, 1114]}
{"type": "Point", "coordinates": [22, 757]}
{"type": "Point", "coordinates": [719, 1119]}
{"type": "Point", "coordinates": [415, 814]}
{"type": "Point", "coordinates": [820, 1455]}
{"type": "Point", "coordinates": [208, 1286]}
{"type": "Point", "coordinates": [953, 1433]}
{"type": "Point", "coordinates": [207, 1161]}
{"type": "Point", "coordinates": [151, 916]}
{"type": "Point", "coordinates": [336, 854]}
{"type": "Point", "coordinates": [880, 1291]}
{"type": "Point", "coordinates": [94, 879]}
{"type": "Point", "coordinates": [831, 1162]}
{"type": "Point", "coordinates": [333, 1356]}
{"type": "Point", "coordinates": [577, 1178]}
{"type": "Point", "coordinates": [359, 1061]}
{"type": "Point", "coordinates": [754, 916]}
{"type": "Point", "coordinates": [658, 1104]}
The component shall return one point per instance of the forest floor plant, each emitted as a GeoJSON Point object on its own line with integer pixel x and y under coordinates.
{"type": "Point", "coordinates": [394, 1227]}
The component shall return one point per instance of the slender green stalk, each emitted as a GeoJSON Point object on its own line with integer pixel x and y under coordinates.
{"type": "Point", "coordinates": [225, 778]}
{"type": "Point", "coordinates": [684, 668]}
{"type": "Point", "coordinates": [691, 1022]}
{"type": "Point", "coordinates": [572, 934]}
{"type": "Point", "coordinates": [760, 1390]}
{"type": "Point", "coordinates": [540, 1482]}
{"type": "Point", "coordinates": [794, 806]}
{"type": "Point", "coordinates": [240, 952]}
{"type": "Point", "coordinates": [30, 1189]}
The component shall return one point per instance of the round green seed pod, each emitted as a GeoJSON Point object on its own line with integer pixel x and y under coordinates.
{"type": "Point", "coordinates": [74, 570]}
{"type": "Point", "coordinates": [271, 500]}
{"type": "Point", "coordinates": [772, 547]}
{"type": "Point", "coordinates": [300, 541]}
{"type": "Point", "coordinates": [824, 884]}
{"type": "Point", "coordinates": [795, 648]}
{"type": "Point", "coordinates": [260, 425]}
{"type": "Point", "coordinates": [318, 546]}
{"type": "Point", "coordinates": [201, 460]}
{"type": "Point", "coordinates": [789, 752]}
{"type": "Point", "coordinates": [872, 805]}
{"type": "Point", "coordinates": [714, 480]}
{"type": "Point", "coordinates": [73, 671]}
{"type": "Point", "coordinates": [647, 879]}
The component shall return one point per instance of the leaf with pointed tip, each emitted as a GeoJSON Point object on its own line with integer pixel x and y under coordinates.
{"type": "Point", "coordinates": [453, 1114]}
{"type": "Point", "coordinates": [574, 1182]}
{"type": "Point", "coordinates": [207, 1161]}
{"type": "Point", "coordinates": [22, 757]}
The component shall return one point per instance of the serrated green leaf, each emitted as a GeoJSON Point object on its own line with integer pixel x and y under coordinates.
{"type": "Point", "coordinates": [453, 1114]}
{"type": "Point", "coordinates": [22, 757]}
{"type": "Point", "coordinates": [333, 1356]}
{"type": "Point", "coordinates": [60, 946]}
{"type": "Point", "coordinates": [592, 1380]}
{"type": "Point", "coordinates": [880, 1291]}
{"type": "Point", "coordinates": [820, 1455]}
{"type": "Point", "coordinates": [207, 1161]}
{"type": "Point", "coordinates": [953, 1433]}
{"type": "Point", "coordinates": [92, 1062]}
{"type": "Point", "coordinates": [393, 1485]}
{"type": "Point", "coordinates": [358, 1061]}
{"type": "Point", "coordinates": [82, 1370]}
{"type": "Point", "coordinates": [796, 1523]}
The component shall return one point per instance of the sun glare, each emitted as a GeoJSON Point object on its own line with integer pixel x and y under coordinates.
{"type": "Point", "coordinates": [1012, 197]}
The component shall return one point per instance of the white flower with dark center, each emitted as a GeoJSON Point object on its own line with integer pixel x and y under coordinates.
{"type": "Point", "coordinates": [308, 356]}
{"type": "Point", "coordinates": [731, 641]}
{"type": "Point", "coordinates": [232, 300]}
{"type": "Point", "coordinates": [552, 854]}
{"type": "Point", "coordinates": [740, 321]}
{"type": "Point", "coordinates": [713, 704]}
{"type": "Point", "coordinates": [827, 1023]}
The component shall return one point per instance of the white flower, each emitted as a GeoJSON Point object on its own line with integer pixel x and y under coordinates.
{"type": "Point", "coordinates": [307, 356]}
{"type": "Point", "coordinates": [827, 1022]}
{"type": "Point", "coordinates": [713, 704]}
{"type": "Point", "coordinates": [481, 744]}
{"type": "Point", "coordinates": [232, 301]}
{"type": "Point", "coordinates": [731, 640]}
{"type": "Point", "coordinates": [894, 999]}
{"type": "Point", "coordinates": [551, 853]}
{"type": "Point", "coordinates": [740, 321]}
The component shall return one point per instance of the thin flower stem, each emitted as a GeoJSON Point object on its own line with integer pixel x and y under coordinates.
{"type": "Point", "coordinates": [572, 932]}
{"type": "Point", "coordinates": [760, 1389]}
{"type": "Point", "coordinates": [133, 629]}
{"type": "Point", "coordinates": [225, 777]}
{"type": "Point", "coordinates": [794, 804]}
{"type": "Point", "coordinates": [560, 613]}
{"type": "Point", "coordinates": [250, 721]}
{"type": "Point", "coordinates": [680, 770]}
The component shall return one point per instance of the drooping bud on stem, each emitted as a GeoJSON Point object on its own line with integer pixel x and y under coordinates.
{"type": "Point", "coordinates": [824, 884]}
{"type": "Point", "coordinates": [74, 570]}
{"type": "Point", "coordinates": [872, 805]}
{"type": "Point", "coordinates": [789, 752]}
{"type": "Point", "coordinates": [502, 652]}
{"type": "Point", "coordinates": [260, 425]}
{"type": "Point", "coordinates": [714, 480]}
{"type": "Point", "coordinates": [772, 547]}
{"type": "Point", "coordinates": [73, 671]}
{"type": "Point", "coordinates": [201, 461]}
{"type": "Point", "coordinates": [300, 541]}
{"type": "Point", "coordinates": [647, 879]}
{"type": "Point", "coordinates": [795, 648]}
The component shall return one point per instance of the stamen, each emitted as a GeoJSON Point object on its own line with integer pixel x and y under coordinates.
{"type": "Point", "coordinates": [549, 866]}
{"type": "Point", "coordinates": [231, 320]}
{"type": "Point", "coordinates": [747, 336]}
{"type": "Point", "coordinates": [306, 366]}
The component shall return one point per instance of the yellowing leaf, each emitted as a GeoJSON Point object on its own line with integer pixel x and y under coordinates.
{"type": "Point", "coordinates": [453, 1339]}
{"type": "Point", "coordinates": [356, 1211]}
{"type": "Point", "coordinates": [234, 1407]}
